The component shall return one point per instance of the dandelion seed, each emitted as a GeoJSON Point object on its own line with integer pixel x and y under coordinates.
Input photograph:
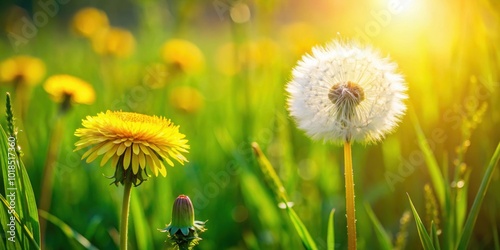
{"type": "Point", "coordinates": [132, 141]}
{"type": "Point", "coordinates": [346, 92]}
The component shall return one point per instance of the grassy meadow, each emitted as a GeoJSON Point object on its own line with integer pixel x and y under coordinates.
{"type": "Point", "coordinates": [231, 94]}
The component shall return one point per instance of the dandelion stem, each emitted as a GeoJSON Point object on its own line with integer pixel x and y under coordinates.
{"type": "Point", "coordinates": [349, 197]}
{"type": "Point", "coordinates": [125, 213]}
{"type": "Point", "coordinates": [48, 173]}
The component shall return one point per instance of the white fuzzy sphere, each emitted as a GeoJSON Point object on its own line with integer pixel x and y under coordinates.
{"type": "Point", "coordinates": [367, 102]}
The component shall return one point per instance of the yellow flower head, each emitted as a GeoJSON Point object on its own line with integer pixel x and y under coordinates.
{"type": "Point", "coordinates": [187, 99]}
{"type": "Point", "coordinates": [114, 41]}
{"type": "Point", "coordinates": [22, 69]}
{"type": "Point", "coordinates": [89, 21]}
{"type": "Point", "coordinates": [184, 55]}
{"type": "Point", "coordinates": [69, 88]}
{"type": "Point", "coordinates": [132, 141]}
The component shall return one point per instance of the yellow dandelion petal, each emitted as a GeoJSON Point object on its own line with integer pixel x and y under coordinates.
{"type": "Point", "coordinates": [163, 171]}
{"type": "Point", "coordinates": [108, 155]}
{"type": "Point", "coordinates": [127, 159]}
{"type": "Point", "coordinates": [170, 162]}
{"type": "Point", "coordinates": [105, 147]}
{"type": "Point", "coordinates": [114, 161]}
{"type": "Point", "coordinates": [133, 140]}
{"type": "Point", "coordinates": [92, 156]}
{"type": "Point", "coordinates": [88, 152]}
{"type": "Point", "coordinates": [121, 149]}
{"type": "Point", "coordinates": [135, 164]}
{"type": "Point", "coordinates": [135, 148]}
{"type": "Point", "coordinates": [150, 162]}
{"type": "Point", "coordinates": [142, 160]}
{"type": "Point", "coordinates": [144, 149]}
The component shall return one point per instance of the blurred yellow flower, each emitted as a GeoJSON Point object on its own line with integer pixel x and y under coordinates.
{"type": "Point", "coordinates": [114, 41]}
{"type": "Point", "coordinates": [22, 69]}
{"type": "Point", "coordinates": [299, 38]}
{"type": "Point", "coordinates": [229, 59]}
{"type": "Point", "coordinates": [225, 59]}
{"type": "Point", "coordinates": [132, 141]}
{"type": "Point", "coordinates": [65, 87]}
{"type": "Point", "coordinates": [89, 21]}
{"type": "Point", "coordinates": [187, 99]}
{"type": "Point", "coordinates": [261, 52]}
{"type": "Point", "coordinates": [184, 55]}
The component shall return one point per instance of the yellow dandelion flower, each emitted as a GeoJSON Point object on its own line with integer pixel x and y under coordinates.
{"type": "Point", "coordinates": [89, 21]}
{"type": "Point", "coordinates": [183, 55]}
{"type": "Point", "coordinates": [132, 141]}
{"type": "Point", "coordinates": [187, 99]}
{"type": "Point", "coordinates": [22, 70]}
{"type": "Point", "coordinates": [114, 41]}
{"type": "Point", "coordinates": [69, 88]}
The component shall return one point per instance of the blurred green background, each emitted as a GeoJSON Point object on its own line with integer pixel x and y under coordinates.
{"type": "Point", "coordinates": [447, 50]}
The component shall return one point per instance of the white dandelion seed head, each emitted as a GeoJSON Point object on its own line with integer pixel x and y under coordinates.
{"type": "Point", "coordinates": [346, 92]}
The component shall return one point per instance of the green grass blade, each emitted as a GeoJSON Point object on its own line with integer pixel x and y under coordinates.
{"type": "Point", "coordinates": [431, 162]}
{"type": "Point", "coordinates": [471, 219]}
{"type": "Point", "coordinates": [382, 236]}
{"type": "Point", "coordinates": [301, 229]}
{"type": "Point", "coordinates": [496, 240]}
{"type": "Point", "coordinates": [16, 184]}
{"type": "Point", "coordinates": [140, 224]}
{"type": "Point", "coordinates": [330, 238]}
{"type": "Point", "coordinates": [280, 192]}
{"type": "Point", "coordinates": [434, 236]}
{"type": "Point", "coordinates": [422, 233]}
{"type": "Point", "coordinates": [68, 231]}
{"type": "Point", "coordinates": [26, 237]}
{"type": "Point", "coordinates": [270, 173]}
{"type": "Point", "coordinates": [10, 239]}
{"type": "Point", "coordinates": [29, 203]}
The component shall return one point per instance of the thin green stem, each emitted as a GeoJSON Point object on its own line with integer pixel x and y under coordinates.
{"type": "Point", "coordinates": [125, 213]}
{"type": "Point", "coordinates": [349, 197]}
{"type": "Point", "coordinates": [48, 173]}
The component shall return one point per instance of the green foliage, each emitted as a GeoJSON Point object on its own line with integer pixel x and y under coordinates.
{"type": "Point", "coordinates": [425, 238]}
{"type": "Point", "coordinates": [331, 231]}
{"type": "Point", "coordinates": [18, 201]}
{"type": "Point", "coordinates": [474, 212]}
{"type": "Point", "coordinates": [452, 76]}
{"type": "Point", "coordinates": [68, 231]}
{"type": "Point", "coordinates": [280, 192]}
{"type": "Point", "coordinates": [382, 236]}
{"type": "Point", "coordinates": [456, 234]}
